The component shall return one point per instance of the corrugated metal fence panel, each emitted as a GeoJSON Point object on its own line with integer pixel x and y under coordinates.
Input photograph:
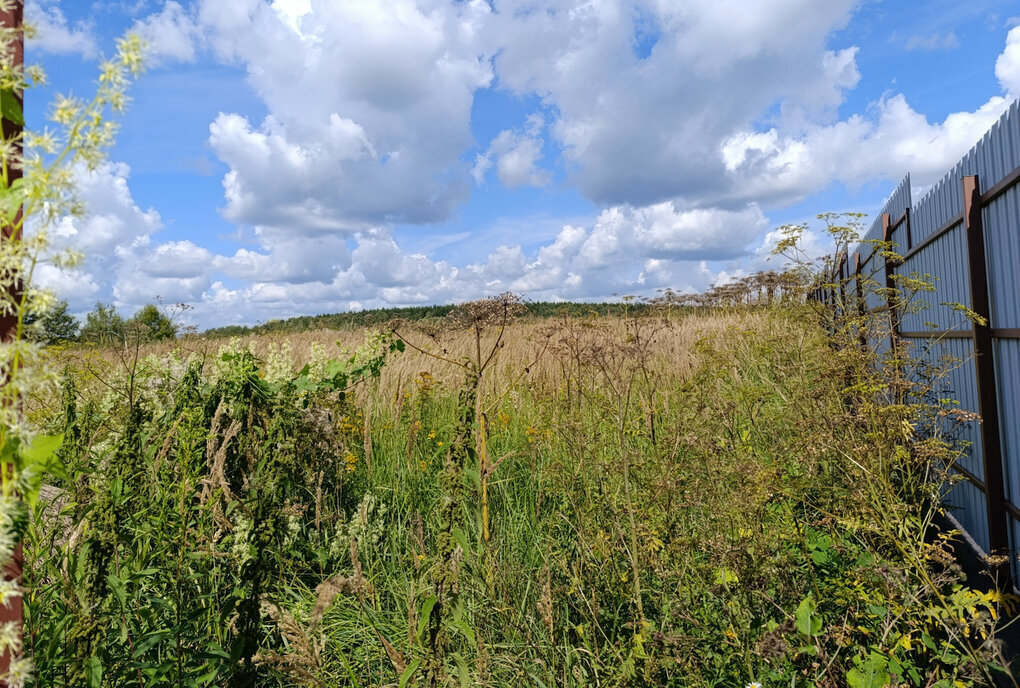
{"type": "Point", "coordinates": [897, 204]}
{"type": "Point", "coordinates": [970, 509]}
{"type": "Point", "coordinates": [944, 260]}
{"type": "Point", "coordinates": [875, 267]}
{"type": "Point", "coordinates": [998, 152]}
{"type": "Point", "coordinates": [992, 158]}
{"type": "Point", "coordinates": [880, 345]}
{"type": "Point", "coordinates": [1002, 238]}
{"type": "Point", "coordinates": [1007, 359]}
{"type": "Point", "coordinates": [940, 204]}
{"type": "Point", "coordinates": [960, 385]}
{"type": "Point", "coordinates": [873, 299]}
{"type": "Point", "coordinates": [1014, 528]}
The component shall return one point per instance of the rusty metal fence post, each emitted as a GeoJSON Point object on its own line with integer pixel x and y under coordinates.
{"type": "Point", "coordinates": [862, 308]}
{"type": "Point", "coordinates": [11, 20]}
{"type": "Point", "coordinates": [890, 287]}
{"type": "Point", "coordinates": [984, 367]}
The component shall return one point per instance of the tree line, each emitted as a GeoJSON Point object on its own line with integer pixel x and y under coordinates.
{"type": "Point", "coordinates": [380, 316]}
{"type": "Point", "coordinates": [103, 325]}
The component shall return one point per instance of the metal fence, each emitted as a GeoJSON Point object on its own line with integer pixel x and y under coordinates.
{"type": "Point", "coordinates": [965, 232]}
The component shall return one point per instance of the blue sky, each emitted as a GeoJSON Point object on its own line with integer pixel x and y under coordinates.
{"type": "Point", "coordinates": [293, 157]}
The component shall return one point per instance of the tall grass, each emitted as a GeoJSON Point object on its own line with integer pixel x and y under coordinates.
{"type": "Point", "coordinates": [710, 499]}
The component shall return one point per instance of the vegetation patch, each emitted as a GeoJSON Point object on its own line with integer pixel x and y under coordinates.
{"type": "Point", "coordinates": [710, 498]}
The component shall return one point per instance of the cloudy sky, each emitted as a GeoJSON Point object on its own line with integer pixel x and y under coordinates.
{"type": "Point", "coordinates": [293, 157]}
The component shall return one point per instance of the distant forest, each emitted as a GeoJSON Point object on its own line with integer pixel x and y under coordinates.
{"type": "Point", "coordinates": [758, 288]}
{"type": "Point", "coordinates": [380, 316]}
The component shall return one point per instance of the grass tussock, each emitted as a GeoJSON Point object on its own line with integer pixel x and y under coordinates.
{"type": "Point", "coordinates": [715, 499]}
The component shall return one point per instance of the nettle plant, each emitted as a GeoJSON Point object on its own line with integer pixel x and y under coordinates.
{"type": "Point", "coordinates": [38, 170]}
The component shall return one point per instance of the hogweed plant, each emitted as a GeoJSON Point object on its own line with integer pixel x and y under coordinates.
{"type": "Point", "coordinates": [467, 455]}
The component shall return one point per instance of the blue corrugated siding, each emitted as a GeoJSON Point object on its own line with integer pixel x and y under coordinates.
{"type": "Point", "coordinates": [968, 506]}
{"type": "Point", "coordinates": [944, 262]}
{"type": "Point", "coordinates": [1007, 358]}
{"type": "Point", "coordinates": [957, 385]}
{"type": "Point", "coordinates": [992, 158]}
{"type": "Point", "coordinates": [1014, 533]}
{"type": "Point", "coordinates": [1002, 236]}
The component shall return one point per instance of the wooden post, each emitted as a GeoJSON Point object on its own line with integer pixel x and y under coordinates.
{"type": "Point", "coordinates": [984, 367]}
{"type": "Point", "coordinates": [12, 19]}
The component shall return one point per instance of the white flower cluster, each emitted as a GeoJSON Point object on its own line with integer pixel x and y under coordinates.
{"type": "Point", "coordinates": [10, 510]}
{"type": "Point", "coordinates": [219, 367]}
{"type": "Point", "coordinates": [373, 348]}
{"type": "Point", "coordinates": [293, 533]}
{"type": "Point", "coordinates": [318, 362]}
{"type": "Point", "coordinates": [20, 669]}
{"type": "Point", "coordinates": [279, 366]}
{"type": "Point", "coordinates": [366, 526]}
{"type": "Point", "coordinates": [163, 371]}
{"type": "Point", "coordinates": [241, 548]}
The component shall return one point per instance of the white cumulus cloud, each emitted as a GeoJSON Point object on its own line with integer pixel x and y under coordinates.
{"type": "Point", "coordinates": [518, 156]}
{"type": "Point", "coordinates": [55, 35]}
{"type": "Point", "coordinates": [369, 103]}
{"type": "Point", "coordinates": [171, 34]}
{"type": "Point", "coordinates": [1007, 66]}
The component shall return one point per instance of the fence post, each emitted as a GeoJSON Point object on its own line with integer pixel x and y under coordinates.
{"type": "Point", "coordinates": [861, 305]}
{"type": "Point", "coordinates": [890, 286]}
{"type": "Point", "coordinates": [12, 19]}
{"type": "Point", "coordinates": [910, 238]}
{"type": "Point", "coordinates": [843, 273]}
{"type": "Point", "coordinates": [984, 366]}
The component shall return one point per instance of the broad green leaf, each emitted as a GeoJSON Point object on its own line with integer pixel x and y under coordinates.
{"type": "Point", "coordinates": [11, 199]}
{"type": "Point", "coordinates": [42, 453]}
{"type": "Point", "coordinates": [303, 384]}
{"type": "Point", "coordinates": [725, 576]}
{"type": "Point", "coordinates": [94, 671]}
{"type": "Point", "coordinates": [807, 621]}
{"type": "Point", "coordinates": [465, 630]}
{"type": "Point", "coordinates": [42, 447]}
{"type": "Point", "coordinates": [462, 540]}
{"type": "Point", "coordinates": [117, 586]}
{"type": "Point", "coordinates": [10, 108]}
{"type": "Point", "coordinates": [463, 672]}
{"type": "Point", "coordinates": [208, 678]}
{"type": "Point", "coordinates": [149, 640]}
{"type": "Point", "coordinates": [872, 673]}
{"type": "Point", "coordinates": [10, 449]}
{"type": "Point", "coordinates": [425, 612]}
{"type": "Point", "coordinates": [38, 460]}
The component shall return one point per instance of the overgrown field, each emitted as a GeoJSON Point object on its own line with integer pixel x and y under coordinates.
{"type": "Point", "coordinates": [716, 499]}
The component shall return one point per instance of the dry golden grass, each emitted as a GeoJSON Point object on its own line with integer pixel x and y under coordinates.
{"type": "Point", "coordinates": [528, 353]}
